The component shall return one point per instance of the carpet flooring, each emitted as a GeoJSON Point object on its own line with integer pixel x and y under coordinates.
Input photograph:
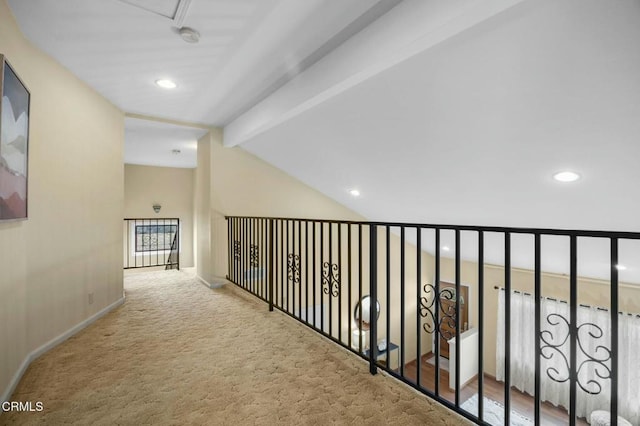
{"type": "Point", "coordinates": [178, 352]}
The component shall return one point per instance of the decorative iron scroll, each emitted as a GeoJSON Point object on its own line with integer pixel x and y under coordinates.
{"type": "Point", "coordinates": [595, 360]}
{"type": "Point", "coordinates": [598, 360]}
{"type": "Point", "coordinates": [293, 268]}
{"type": "Point", "coordinates": [330, 279]}
{"type": "Point", "coordinates": [236, 249]}
{"type": "Point", "coordinates": [428, 308]}
{"type": "Point", "coordinates": [254, 255]}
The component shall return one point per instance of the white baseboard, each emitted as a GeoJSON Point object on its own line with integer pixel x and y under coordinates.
{"type": "Point", "coordinates": [53, 343]}
{"type": "Point", "coordinates": [203, 281]}
{"type": "Point", "coordinates": [219, 282]}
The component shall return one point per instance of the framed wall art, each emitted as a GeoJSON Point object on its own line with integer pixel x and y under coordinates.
{"type": "Point", "coordinates": [14, 144]}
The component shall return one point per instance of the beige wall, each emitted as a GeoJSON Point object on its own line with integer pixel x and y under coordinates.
{"type": "Point", "coordinates": [241, 184]}
{"type": "Point", "coordinates": [590, 291]}
{"type": "Point", "coordinates": [202, 208]}
{"type": "Point", "coordinates": [170, 187]}
{"type": "Point", "coordinates": [71, 245]}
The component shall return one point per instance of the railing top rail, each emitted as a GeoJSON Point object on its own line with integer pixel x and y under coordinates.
{"type": "Point", "coordinates": [151, 218]}
{"type": "Point", "coordinates": [513, 230]}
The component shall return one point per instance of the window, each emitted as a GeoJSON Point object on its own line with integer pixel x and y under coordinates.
{"type": "Point", "coordinates": [154, 237]}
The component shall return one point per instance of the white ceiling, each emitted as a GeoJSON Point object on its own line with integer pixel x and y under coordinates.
{"type": "Point", "coordinates": [247, 49]}
{"type": "Point", "coordinates": [470, 131]}
{"type": "Point", "coordinates": [152, 143]}
{"type": "Point", "coordinates": [438, 111]}
{"type": "Point", "coordinates": [121, 48]}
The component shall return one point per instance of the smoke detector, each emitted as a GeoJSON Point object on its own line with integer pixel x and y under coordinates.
{"type": "Point", "coordinates": [189, 34]}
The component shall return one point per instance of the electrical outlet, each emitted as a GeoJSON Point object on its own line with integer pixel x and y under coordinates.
{"type": "Point", "coordinates": [91, 298]}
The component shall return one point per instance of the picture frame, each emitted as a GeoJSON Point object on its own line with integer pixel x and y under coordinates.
{"type": "Point", "coordinates": [14, 144]}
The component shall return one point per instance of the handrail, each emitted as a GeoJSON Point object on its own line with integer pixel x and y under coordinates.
{"type": "Point", "coordinates": [483, 228]}
{"type": "Point", "coordinates": [152, 218]}
{"type": "Point", "coordinates": [302, 267]}
{"type": "Point", "coordinates": [174, 253]}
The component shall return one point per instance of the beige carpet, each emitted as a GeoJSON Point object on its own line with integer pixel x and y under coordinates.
{"type": "Point", "coordinates": [179, 353]}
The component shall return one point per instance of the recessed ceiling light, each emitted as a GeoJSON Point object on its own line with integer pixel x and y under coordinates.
{"type": "Point", "coordinates": [445, 248]}
{"type": "Point", "coordinates": [620, 267]}
{"type": "Point", "coordinates": [566, 176]}
{"type": "Point", "coordinates": [354, 192]}
{"type": "Point", "coordinates": [166, 84]}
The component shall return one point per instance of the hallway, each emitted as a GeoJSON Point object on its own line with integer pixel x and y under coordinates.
{"type": "Point", "coordinates": [179, 353]}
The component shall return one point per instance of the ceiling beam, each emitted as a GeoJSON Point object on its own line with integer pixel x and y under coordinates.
{"type": "Point", "coordinates": [345, 34]}
{"type": "Point", "coordinates": [170, 121]}
{"type": "Point", "coordinates": [403, 32]}
{"type": "Point", "coordinates": [181, 13]}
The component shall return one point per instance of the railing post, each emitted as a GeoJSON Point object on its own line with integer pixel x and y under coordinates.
{"type": "Point", "coordinates": [178, 244]}
{"type": "Point", "coordinates": [573, 328]}
{"type": "Point", "coordinates": [507, 328]}
{"type": "Point", "coordinates": [373, 289]}
{"type": "Point", "coordinates": [537, 294]}
{"type": "Point", "coordinates": [614, 331]}
{"type": "Point", "coordinates": [226, 218]}
{"type": "Point", "coordinates": [271, 265]}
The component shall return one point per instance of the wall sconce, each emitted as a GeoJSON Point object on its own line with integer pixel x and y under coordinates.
{"type": "Point", "coordinates": [157, 207]}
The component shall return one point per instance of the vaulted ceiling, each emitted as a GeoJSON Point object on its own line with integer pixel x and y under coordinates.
{"type": "Point", "coordinates": [121, 47]}
{"type": "Point", "coordinates": [472, 129]}
{"type": "Point", "coordinates": [437, 111]}
{"type": "Point", "coordinates": [247, 49]}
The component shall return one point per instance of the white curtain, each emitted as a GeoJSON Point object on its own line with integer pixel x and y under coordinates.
{"type": "Point", "coordinates": [595, 363]}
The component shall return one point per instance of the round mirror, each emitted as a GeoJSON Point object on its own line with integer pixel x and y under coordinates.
{"type": "Point", "coordinates": [363, 310]}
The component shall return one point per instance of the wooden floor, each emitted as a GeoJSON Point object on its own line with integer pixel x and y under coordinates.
{"type": "Point", "coordinates": [520, 402]}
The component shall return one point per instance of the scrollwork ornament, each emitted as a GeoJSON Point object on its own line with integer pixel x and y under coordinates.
{"type": "Point", "coordinates": [254, 255]}
{"type": "Point", "coordinates": [551, 348]}
{"type": "Point", "coordinates": [429, 304]}
{"type": "Point", "coordinates": [236, 249]}
{"type": "Point", "coordinates": [293, 268]}
{"type": "Point", "coordinates": [330, 279]}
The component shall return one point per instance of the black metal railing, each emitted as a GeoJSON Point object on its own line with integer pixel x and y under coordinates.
{"type": "Point", "coordinates": [427, 285]}
{"type": "Point", "coordinates": [152, 243]}
{"type": "Point", "coordinates": [173, 260]}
